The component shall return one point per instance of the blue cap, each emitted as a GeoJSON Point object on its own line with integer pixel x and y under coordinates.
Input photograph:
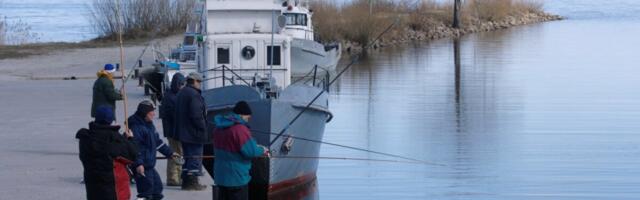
{"type": "Point", "coordinates": [109, 68]}
{"type": "Point", "coordinates": [104, 115]}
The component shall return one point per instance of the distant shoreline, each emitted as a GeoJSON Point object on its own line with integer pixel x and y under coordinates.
{"type": "Point", "coordinates": [441, 31]}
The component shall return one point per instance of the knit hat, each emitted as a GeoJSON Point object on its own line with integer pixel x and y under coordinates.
{"type": "Point", "coordinates": [242, 108]}
{"type": "Point", "coordinates": [104, 115]}
{"type": "Point", "coordinates": [195, 76]}
{"type": "Point", "coordinates": [145, 107]}
{"type": "Point", "coordinates": [109, 68]}
{"type": "Point", "coordinates": [177, 81]}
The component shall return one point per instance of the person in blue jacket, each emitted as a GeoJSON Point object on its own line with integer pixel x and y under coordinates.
{"type": "Point", "coordinates": [148, 141]}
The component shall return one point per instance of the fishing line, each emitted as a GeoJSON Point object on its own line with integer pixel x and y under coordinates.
{"type": "Point", "coordinates": [315, 157]}
{"type": "Point", "coordinates": [353, 148]}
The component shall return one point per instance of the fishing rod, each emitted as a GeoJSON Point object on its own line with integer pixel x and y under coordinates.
{"type": "Point", "coordinates": [352, 148]}
{"type": "Point", "coordinates": [123, 90]}
{"type": "Point", "coordinates": [308, 157]}
{"type": "Point", "coordinates": [353, 61]}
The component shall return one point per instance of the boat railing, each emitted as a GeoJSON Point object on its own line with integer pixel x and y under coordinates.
{"type": "Point", "coordinates": [235, 76]}
{"type": "Point", "coordinates": [318, 77]}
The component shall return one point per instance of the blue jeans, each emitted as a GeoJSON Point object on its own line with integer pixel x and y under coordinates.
{"type": "Point", "coordinates": [192, 166]}
{"type": "Point", "coordinates": [150, 185]}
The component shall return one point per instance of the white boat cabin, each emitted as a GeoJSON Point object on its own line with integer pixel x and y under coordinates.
{"type": "Point", "coordinates": [298, 20]}
{"type": "Point", "coordinates": [243, 40]}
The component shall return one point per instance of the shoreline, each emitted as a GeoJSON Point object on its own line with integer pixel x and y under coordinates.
{"type": "Point", "coordinates": [440, 30]}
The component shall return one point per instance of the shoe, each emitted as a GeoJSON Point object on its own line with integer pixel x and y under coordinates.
{"type": "Point", "coordinates": [172, 183]}
{"type": "Point", "coordinates": [191, 182]}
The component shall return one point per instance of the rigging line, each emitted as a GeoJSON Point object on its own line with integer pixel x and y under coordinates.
{"type": "Point", "coordinates": [353, 148]}
{"type": "Point", "coordinates": [134, 65]}
{"type": "Point", "coordinates": [154, 33]}
{"type": "Point", "coordinates": [353, 61]}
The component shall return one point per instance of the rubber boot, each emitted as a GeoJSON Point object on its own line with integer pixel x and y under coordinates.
{"type": "Point", "coordinates": [191, 182]}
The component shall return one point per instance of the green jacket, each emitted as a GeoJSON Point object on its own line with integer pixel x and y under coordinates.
{"type": "Point", "coordinates": [104, 93]}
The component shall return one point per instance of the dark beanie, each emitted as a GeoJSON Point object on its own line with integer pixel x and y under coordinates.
{"type": "Point", "coordinates": [104, 115]}
{"type": "Point", "coordinates": [145, 107]}
{"type": "Point", "coordinates": [242, 108]}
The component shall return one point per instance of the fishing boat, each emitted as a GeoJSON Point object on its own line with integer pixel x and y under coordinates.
{"type": "Point", "coordinates": [249, 54]}
{"type": "Point", "coordinates": [307, 52]}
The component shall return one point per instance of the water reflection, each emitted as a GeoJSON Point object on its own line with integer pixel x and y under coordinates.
{"type": "Point", "coordinates": [513, 114]}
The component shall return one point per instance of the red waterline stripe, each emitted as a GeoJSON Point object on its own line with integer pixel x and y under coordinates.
{"type": "Point", "coordinates": [290, 183]}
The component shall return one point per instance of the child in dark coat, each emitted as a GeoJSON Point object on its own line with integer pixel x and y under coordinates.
{"type": "Point", "coordinates": [104, 154]}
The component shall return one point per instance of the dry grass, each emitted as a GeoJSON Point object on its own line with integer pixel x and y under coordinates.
{"type": "Point", "coordinates": [140, 18]}
{"type": "Point", "coordinates": [427, 13]}
{"type": "Point", "coordinates": [352, 22]}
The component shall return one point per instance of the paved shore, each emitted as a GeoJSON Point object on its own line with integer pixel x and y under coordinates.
{"type": "Point", "coordinates": [40, 118]}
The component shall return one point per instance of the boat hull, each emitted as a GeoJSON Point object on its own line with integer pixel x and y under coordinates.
{"type": "Point", "coordinates": [284, 174]}
{"type": "Point", "coordinates": [306, 54]}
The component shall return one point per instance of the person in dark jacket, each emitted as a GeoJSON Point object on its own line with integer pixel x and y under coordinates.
{"type": "Point", "coordinates": [104, 154]}
{"type": "Point", "coordinates": [167, 113]}
{"type": "Point", "coordinates": [190, 130]}
{"type": "Point", "coordinates": [234, 149]}
{"type": "Point", "coordinates": [148, 141]}
{"type": "Point", "coordinates": [104, 93]}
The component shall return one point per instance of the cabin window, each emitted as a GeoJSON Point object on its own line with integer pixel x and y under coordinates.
{"type": "Point", "coordinates": [185, 56]}
{"type": "Point", "coordinates": [223, 55]}
{"type": "Point", "coordinates": [273, 58]}
{"type": "Point", "coordinates": [189, 40]}
{"type": "Point", "coordinates": [296, 19]}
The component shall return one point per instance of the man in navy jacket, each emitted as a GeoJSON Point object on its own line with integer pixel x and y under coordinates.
{"type": "Point", "coordinates": [190, 130]}
{"type": "Point", "coordinates": [167, 113]}
{"type": "Point", "coordinates": [148, 141]}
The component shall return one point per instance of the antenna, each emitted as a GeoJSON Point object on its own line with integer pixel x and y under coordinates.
{"type": "Point", "coordinates": [273, 29]}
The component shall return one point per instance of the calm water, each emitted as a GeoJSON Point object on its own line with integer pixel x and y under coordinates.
{"type": "Point", "coordinates": [547, 111]}
{"type": "Point", "coordinates": [52, 20]}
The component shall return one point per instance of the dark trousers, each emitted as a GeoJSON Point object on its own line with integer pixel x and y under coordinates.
{"type": "Point", "coordinates": [208, 163]}
{"type": "Point", "coordinates": [192, 159]}
{"type": "Point", "coordinates": [233, 193]}
{"type": "Point", "coordinates": [150, 185]}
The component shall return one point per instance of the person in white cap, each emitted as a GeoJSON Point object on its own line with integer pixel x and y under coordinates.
{"type": "Point", "coordinates": [104, 92]}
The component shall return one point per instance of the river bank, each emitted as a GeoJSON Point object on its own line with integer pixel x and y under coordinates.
{"type": "Point", "coordinates": [441, 30]}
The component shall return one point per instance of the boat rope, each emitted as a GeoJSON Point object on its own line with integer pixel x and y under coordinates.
{"type": "Point", "coordinates": [353, 148]}
{"type": "Point", "coordinates": [353, 61]}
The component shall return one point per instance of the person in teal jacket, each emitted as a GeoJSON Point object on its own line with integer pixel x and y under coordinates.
{"type": "Point", "coordinates": [234, 149]}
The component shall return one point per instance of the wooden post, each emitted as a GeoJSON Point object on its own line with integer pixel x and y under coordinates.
{"type": "Point", "coordinates": [370, 7]}
{"type": "Point", "coordinates": [456, 13]}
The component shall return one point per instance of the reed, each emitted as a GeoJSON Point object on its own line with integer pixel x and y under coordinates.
{"type": "Point", "coordinates": [352, 21]}
{"type": "Point", "coordinates": [16, 32]}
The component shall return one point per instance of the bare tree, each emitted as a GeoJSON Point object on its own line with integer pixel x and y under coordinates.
{"type": "Point", "coordinates": [141, 18]}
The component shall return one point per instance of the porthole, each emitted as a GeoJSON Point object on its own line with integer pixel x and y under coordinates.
{"type": "Point", "coordinates": [248, 52]}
